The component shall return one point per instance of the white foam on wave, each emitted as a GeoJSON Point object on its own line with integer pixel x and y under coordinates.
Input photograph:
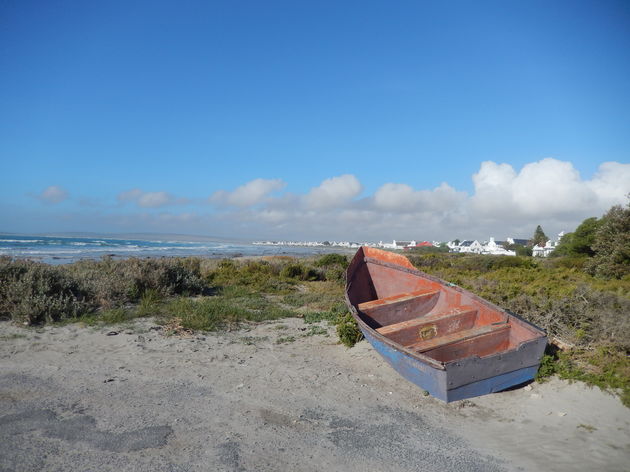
{"type": "Point", "coordinates": [52, 253]}
{"type": "Point", "coordinates": [64, 250]}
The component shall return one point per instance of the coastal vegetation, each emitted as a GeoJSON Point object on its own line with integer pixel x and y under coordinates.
{"type": "Point", "coordinates": [603, 244]}
{"type": "Point", "coordinates": [588, 316]}
{"type": "Point", "coordinates": [201, 294]}
{"type": "Point", "coordinates": [581, 296]}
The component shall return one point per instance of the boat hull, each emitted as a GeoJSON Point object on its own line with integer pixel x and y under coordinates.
{"type": "Point", "coordinates": [440, 337]}
{"type": "Point", "coordinates": [435, 381]}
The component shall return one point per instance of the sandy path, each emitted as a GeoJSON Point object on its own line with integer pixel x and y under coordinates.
{"type": "Point", "coordinates": [74, 398]}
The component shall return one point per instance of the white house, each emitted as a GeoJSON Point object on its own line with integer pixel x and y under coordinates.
{"type": "Point", "coordinates": [396, 244]}
{"type": "Point", "coordinates": [522, 242]}
{"type": "Point", "coordinates": [548, 248]}
{"type": "Point", "coordinates": [473, 247]}
{"type": "Point", "coordinates": [492, 247]}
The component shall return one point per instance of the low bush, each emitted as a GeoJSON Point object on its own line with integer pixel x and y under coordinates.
{"type": "Point", "coordinates": [256, 275]}
{"type": "Point", "coordinates": [36, 293]}
{"type": "Point", "coordinates": [469, 262]}
{"type": "Point", "coordinates": [330, 260]}
{"type": "Point", "coordinates": [348, 330]}
{"type": "Point", "coordinates": [32, 292]}
{"type": "Point", "coordinates": [298, 271]}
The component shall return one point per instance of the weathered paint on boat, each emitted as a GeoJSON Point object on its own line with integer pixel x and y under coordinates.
{"type": "Point", "coordinates": [442, 338]}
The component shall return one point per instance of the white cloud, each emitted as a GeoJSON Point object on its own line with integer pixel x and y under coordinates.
{"type": "Point", "coordinates": [611, 183]}
{"type": "Point", "coordinates": [249, 194]}
{"type": "Point", "coordinates": [401, 198]}
{"type": "Point", "coordinates": [550, 187]}
{"type": "Point", "coordinates": [149, 199]}
{"type": "Point", "coordinates": [547, 189]}
{"type": "Point", "coordinates": [493, 185]}
{"type": "Point", "coordinates": [53, 194]}
{"type": "Point", "coordinates": [505, 202]}
{"type": "Point", "coordinates": [334, 192]}
{"type": "Point", "coordinates": [396, 197]}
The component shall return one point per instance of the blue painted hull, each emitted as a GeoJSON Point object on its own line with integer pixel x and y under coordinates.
{"type": "Point", "coordinates": [435, 381]}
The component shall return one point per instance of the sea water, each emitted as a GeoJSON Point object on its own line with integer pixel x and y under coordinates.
{"type": "Point", "coordinates": [63, 250]}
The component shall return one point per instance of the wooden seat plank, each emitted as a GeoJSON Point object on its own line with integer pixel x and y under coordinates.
{"type": "Point", "coordinates": [432, 325]}
{"type": "Point", "coordinates": [441, 341]}
{"type": "Point", "coordinates": [399, 298]}
{"type": "Point", "coordinates": [482, 345]}
{"type": "Point", "coordinates": [389, 310]}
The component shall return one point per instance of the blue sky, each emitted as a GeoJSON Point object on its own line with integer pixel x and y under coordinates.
{"type": "Point", "coordinates": [327, 120]}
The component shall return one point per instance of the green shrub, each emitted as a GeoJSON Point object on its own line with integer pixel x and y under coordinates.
{"type": "Point", "coordinates": [293, 271]}
{"type": "Point", "coordinates": [348, 330]}
{"type": "Point", "coordinates": [298, 271]}
{"type": "Point", "coordinates": [257, 275]}
{"type": "Point", "coordinates": [569, 262]}
{"type": "Point", "coordinates": [443, 248]}
{"type": "Point", "coordinates": [547, 368]}
{"type": "Point", "coordinates": [115, 282]}
{"type": "Point", "coordinates": [167, 276]}
{"type": "Point", "coordinates": [580, 242]}
{"type": "Point", "coordinates": [611, 245]}
{"type": "Point", "coordinates": [335, 274]}
{"type": "Point", "coordinates": [150, 303]}
{"type": "Point", "coordinates": [332, 260]}
{"type": "Point", "coordinates": [34, 293]}
{"type": "Point", "coordinates": [522, 251]}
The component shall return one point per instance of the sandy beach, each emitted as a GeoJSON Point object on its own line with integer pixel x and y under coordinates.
{"type": "Point", "coordinates": [273, 396]}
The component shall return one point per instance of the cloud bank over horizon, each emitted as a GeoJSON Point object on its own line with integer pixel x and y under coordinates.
{"type": "Point", "coordinates": [505, 202]}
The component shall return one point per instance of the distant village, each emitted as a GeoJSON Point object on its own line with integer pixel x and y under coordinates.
{"type": "Point", "coordinates": [500, 248]}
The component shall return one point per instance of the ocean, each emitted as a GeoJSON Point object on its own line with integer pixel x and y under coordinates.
{"type": "Point", "coordinates": [65, 250]}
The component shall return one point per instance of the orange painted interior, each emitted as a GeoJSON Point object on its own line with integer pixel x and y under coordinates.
{"type": "Point", "coordinates": [459, 324]}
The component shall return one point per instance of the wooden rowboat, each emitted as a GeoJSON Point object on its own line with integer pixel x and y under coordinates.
{"type": "Point", "coordinates": [441, 337]}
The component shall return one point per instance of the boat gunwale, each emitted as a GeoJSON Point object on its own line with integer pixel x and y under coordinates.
{"type": "Point", "coordinates": [444, 285]}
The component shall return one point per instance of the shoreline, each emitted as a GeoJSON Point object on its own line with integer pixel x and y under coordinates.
{"type": "Point", "coordinates": [58, 260]}
{"type": "Point", "coordinates": [64, 250]}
